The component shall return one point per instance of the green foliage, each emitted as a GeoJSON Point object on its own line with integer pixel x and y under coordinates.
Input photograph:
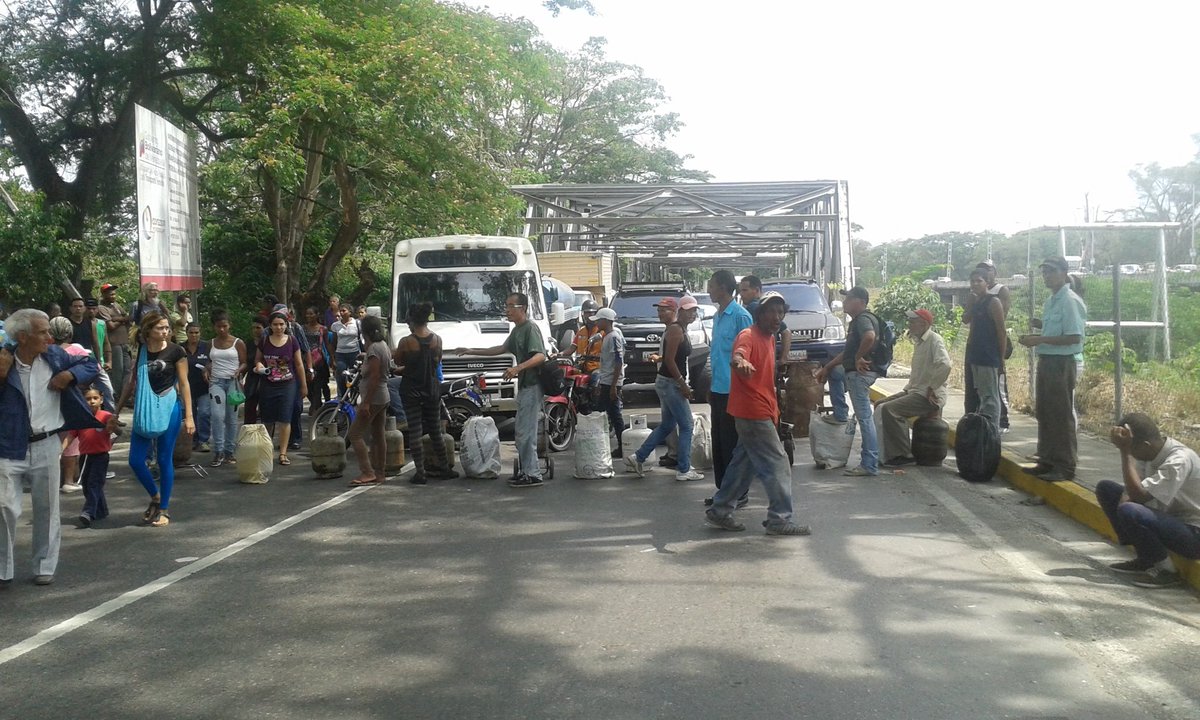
{"type": "Point", "coordinates": [904, 294]}
{"type": "Point", "coordinates": [1099, 352]}
{"type": "Point", "coordinates": [31, 248]}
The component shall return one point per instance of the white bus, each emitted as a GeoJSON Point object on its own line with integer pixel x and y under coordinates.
{"type": "Point", "coordinates": [467, 279]}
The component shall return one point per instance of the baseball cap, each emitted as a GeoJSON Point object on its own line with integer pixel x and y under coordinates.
{"type": "Point", "coordinates": [91, 302]}
{"type": "Point", "coordinates": [108, 286]}
{"type": "Point", "coordinates": [858, 291]}
{"type": "Point", "coordinates": [687, 302]}
{"type": "Point", "coordinates": [767, 298]}
{"type": "Point", "coordinates": [605, 314]}
{"type": "Point", "coordinates": [668, 302]}
{"type": "Point", "coordinates": [986, 264]}
{"type": "Point", "coordinates": [1057, 262]}
{"type": "Point", "coordinates": [921, 313]}
{"type": "Point", "coordinates": [279, 307]}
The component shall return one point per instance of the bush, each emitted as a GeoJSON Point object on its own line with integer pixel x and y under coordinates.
{"type": "Point", "coordinates": [904, 294]}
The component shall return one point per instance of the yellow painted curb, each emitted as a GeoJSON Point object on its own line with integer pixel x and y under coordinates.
{"type": "Point", "coordinates": [1069, 498]}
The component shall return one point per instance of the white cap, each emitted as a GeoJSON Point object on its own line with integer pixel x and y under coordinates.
{"type": "Point", "coordinates": [605, 314]}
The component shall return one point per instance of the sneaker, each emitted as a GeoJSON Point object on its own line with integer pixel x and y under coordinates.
{"type": "Point", "coordinates": [418, 479]}
{"type": "Point", "coordinates": [633, 465]}
{"type": "Point", "coordinates": [43, 579]}
{"type": "Point", "coordinates": [858, 471]}
{"type": "Point", "coordinates": [70, 488]}
{"type": "Point", "coordinates": [202, 447]}
{"type": "Point", "coordinates": [832, 420]}
{"type": "Point", "coordinates": [525, 481]}
{"type": "Point", "coordinates": [85, 520]}
{"type": "Point", "coordinates": [900, 461]}
{"type": "Point", "coordinates": [668, 462]}
{"type": "Point", "coordinates": [109, 475]}
{"type": "Point", "coordinates": [1131, 567]}
{"type": "Point", "coordinates": [230, 460]}
{"type": "Point", "coordinates": [217, 460]}
{"type": "Point", "coordinates": [741, 503]}
{"type": "Point", "coordinates": [440, 473]}
{"type": "Point", "coordinates": [787, 528]}
{"type": "Point", "coordinates": [293, 446]}
{"type": "Point", "coordinates": [688, 476]}
{"type": "Point", "coordinates": [618, 454]}
{"type": "Point", "coordinates": [725, 522]}
{"type": "Point", "coordinates": [1156, 577]}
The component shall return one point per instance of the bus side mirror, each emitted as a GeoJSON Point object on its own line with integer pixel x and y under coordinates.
{"type": "Point", "coordinates": [558, 313]}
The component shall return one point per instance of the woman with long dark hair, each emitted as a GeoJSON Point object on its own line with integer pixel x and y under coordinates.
{"type": "Point", "coordinates": [315, 332]}
{"type": "Point", "coordinates": [162, 401]}
{"type": "Point", "coordinates": [418, 355]}
{"type": "Point", "coordinates": [373, 400]}
{"type": "Point", "coordinates": [279, 364]}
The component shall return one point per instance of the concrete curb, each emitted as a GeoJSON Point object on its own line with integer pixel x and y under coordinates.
{"type": "Point", "coordinates": [1069, 498]}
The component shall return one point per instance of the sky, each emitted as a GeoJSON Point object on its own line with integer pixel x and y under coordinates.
{"type": "Point", "coordinates": [941, 116]}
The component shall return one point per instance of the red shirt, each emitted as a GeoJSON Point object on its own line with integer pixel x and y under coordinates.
{"type": "Point", "coordinates": [95, 441]}
{"type": "Point", "coordinates": [753, 398]}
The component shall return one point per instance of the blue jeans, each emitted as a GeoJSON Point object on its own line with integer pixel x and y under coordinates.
{"type": "Point", "coordinates": [529, 415]}
{"type": "Point", "coordinates": [396, 403]}
{"type": "Point", "coordinates": [837, 394]}
{"type": "Point", "coordinates": [759, 454]}
{"type": "Point", "coordinates": [202, 414]}
{"type": "Point", "coordinates": [1152, 533]}
{"type": "Point", "coordinates": [224, 416]}
{"type": "Point", "coordinates": [342, 363]}
{"type": "Point", "coordinates": [139, 448]}
{"type": "Point", "coordinates": [676, 412]}
{"type": "Point", "coordinates": [859, 384]}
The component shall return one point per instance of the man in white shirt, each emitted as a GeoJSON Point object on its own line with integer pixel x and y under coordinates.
{"type": "Point", "coordinates": [39, 398]}
{"type": "Point", "coordinates": [1157, 508]}
{"type": "Point", "coordinates": [924, 395]}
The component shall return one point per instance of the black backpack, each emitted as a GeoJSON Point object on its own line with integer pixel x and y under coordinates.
{"type": "Point", "coordinates": [551, 377]}
{"type": "Point", "coordinates": [885, 344]}
{"type": "Point", "coordinates": [976, 448]}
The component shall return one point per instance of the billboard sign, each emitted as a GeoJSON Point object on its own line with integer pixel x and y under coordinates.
{"type": "Point", "coordinates": [168, 204]}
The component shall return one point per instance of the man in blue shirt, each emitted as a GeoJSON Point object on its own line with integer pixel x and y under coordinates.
{"type": "Point", "coordinates": [1061, 337]}
{"type": "Point", "coordinates": [731, 319]}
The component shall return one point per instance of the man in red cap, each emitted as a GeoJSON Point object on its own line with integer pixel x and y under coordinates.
{"type": "Point", "coordinates": [924, 394]}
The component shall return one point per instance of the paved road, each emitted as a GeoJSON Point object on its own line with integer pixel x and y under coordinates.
{"type": "Point", "coordinates": [917, 596]}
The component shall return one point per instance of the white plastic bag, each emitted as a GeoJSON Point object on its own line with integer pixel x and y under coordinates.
{"type": "Point", "coordinates": [255, 454]}
{"type": "Point", "coordinates": [830, 443]}
{"type": "Point", "coordinates": [592, 457]}
{"type": "Point", "coordinates": [702, 455]}
{"type": "Point", "coordinates": [479, 450]}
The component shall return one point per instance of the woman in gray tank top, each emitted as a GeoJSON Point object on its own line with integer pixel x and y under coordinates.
{"type": "Point", "coordinates": [369, 417]}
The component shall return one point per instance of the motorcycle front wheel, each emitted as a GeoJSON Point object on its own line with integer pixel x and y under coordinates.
{"type": "Point", "coordinates": [460, 411]}
{"type": "Point", "coordinates": [560, 426]}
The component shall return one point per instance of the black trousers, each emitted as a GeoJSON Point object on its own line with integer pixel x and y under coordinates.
{"type": "Point", "coordinates": [724, 435]}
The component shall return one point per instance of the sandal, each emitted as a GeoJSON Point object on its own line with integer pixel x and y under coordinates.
{"type": "Point", "coordinates": [151, 511]}
{"type": "Point", "coordinates": [359, 482]}
{"type": "Point", "coordinates": [284, 459]}
{"type": "Point", "coordinates": [161, 519]}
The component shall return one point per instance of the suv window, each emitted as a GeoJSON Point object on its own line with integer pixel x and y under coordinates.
{"type": "Point", "coordinates": [637, 306]}
{"type": "Point", "coordinates": [800, 297]}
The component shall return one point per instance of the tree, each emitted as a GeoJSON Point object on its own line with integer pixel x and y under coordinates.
{"type": "Point", "coordinates": [1167, 195]}
{"type": "Point", "coordinates": [70, 75]}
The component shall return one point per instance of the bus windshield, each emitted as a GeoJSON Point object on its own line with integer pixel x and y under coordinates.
{"type": "Point", "coordinates": [466, 294]}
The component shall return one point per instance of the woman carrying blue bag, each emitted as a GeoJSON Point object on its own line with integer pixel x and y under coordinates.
{"type": "Point", "coordinates": [162, 400]}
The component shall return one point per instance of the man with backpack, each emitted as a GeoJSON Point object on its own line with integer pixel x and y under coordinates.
{"type": "Point", "coordinates": [925, 393]}
{"type": "Point", "coordinates": [861, 367]}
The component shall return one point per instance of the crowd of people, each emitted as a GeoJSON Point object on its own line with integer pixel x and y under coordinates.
{"type": "Point", "coordinates": [65, 378]}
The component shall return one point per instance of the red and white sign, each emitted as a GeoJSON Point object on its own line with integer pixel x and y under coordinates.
{"type": "Point", "coordinates": [168, 204]}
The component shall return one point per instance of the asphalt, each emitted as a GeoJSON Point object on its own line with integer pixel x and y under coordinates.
{"type": "Point", "coordinates": [1098, 460]}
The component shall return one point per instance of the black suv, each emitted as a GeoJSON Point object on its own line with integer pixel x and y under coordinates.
{"type": "Point", "coordinates": [638, 320]}
{"type": "Point", "coordinates": [817, 334]}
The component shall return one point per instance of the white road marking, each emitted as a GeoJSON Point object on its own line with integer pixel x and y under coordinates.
{"type": "Point", "coordinates": [54, 632]}
{"type": "Point", "coordinates": [1153, 687]}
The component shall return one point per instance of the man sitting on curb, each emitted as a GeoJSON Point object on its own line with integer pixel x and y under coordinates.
{"type": "Point", "coordinates": [924, 395]}
{"type": "Point", "coordinates": [1157, 509]}
{"type": "Point", "coordinates": [755, 411]}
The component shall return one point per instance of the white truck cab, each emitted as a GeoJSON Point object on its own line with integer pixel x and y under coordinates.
{"type": "Point", "coordinates": [467, 279]}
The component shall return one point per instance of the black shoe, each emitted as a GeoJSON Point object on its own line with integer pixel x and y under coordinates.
{"type": "Point", "coordinates": [525, 481]}
{"type": "Point", "coordinates": [1037, 470]}
{"type": "Point", "coordinates": [618, 454]}
{"type": "Point", "coordinates": [1131, 567]}
{"type": "Point", "coordinates": [293, 446]}
{"type": "Point", "coordinates": [418, 479]}
{"type": "Point", "coordinates": [899, 461]}
{"type": "Point", "coordinates": [708, 502]}
{"type": "Point", "coordinates": [668, 461]}
{"type": "Point", "coordinates": [743, 501]}
{"type": "Point", "coordinates": [85, 521]}
{"type": "Point", "coordinates": [440, 473]}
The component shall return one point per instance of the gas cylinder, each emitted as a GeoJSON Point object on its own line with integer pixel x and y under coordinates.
{"type": "Point", "coordinates": [328, 452]}
{"type": "Point", "coordinates": [635, 435]}
{"type": "Point", "coordinates": [929, 440]}
{"type": "Point", "coordinates": [393, 459]}
{"type": "Point", "coordinates": [255, 454]}
{"type": "Point", "coordinates": [427, 448]}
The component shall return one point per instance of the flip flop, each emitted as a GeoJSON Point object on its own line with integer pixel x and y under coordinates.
{"type": "Point", "coordinates": [285, 460]}
{"type": "Point", "coordinates": [359, 482]}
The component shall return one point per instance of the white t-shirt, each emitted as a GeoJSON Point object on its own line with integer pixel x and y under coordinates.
{"type": "Point", "coordinates": [45, 407]}
{"type": "Point", "coordinates": [347, 336]}
{"type": "Point", "coordinates": [1173, 479]}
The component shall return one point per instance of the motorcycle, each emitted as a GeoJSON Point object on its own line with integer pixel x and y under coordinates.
{"type": "Point", "coordinates": [462, 399]}
{"type": "Point", "coordinates": [563, 409]}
